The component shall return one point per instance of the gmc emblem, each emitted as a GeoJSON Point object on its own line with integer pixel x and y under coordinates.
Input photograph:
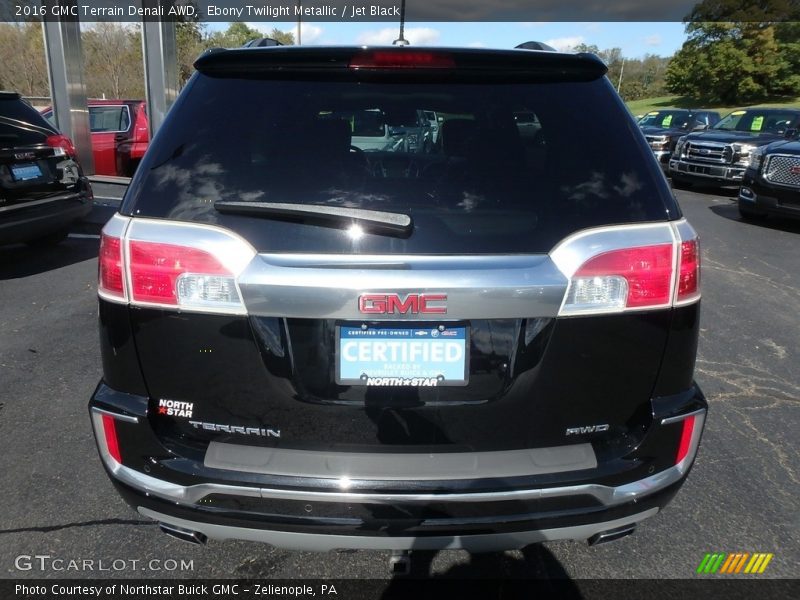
{"type": "Point", "coordinates": [795, 170]}
{"type": "Point", "coordinates": [381, 304]}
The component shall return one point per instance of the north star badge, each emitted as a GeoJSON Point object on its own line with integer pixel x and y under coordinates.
{"type": "Point", "coordinates": [174, 408]}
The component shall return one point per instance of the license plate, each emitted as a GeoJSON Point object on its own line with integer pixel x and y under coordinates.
{"type": "Point", "coordinates": [423, 356]}
{"type": "Point", "coordinates": [26, 171]}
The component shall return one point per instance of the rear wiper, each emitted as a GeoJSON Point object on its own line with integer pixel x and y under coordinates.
{"type": "Point", "coordinates": [375, 220]}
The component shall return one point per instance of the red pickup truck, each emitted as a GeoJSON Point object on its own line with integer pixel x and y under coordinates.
{"type": "Point", "coordinates": [120, 134]}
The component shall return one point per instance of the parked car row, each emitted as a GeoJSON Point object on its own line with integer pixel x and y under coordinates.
{"type": "Point", "coordinates": [720, 154]}
{"type": "Point", "coordinates": [120, 134]}
{"type": "Point", "coordinates": [755, 148]}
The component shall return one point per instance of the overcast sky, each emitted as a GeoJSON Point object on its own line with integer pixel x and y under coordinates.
{"type": "Point", "coordinates": [635, 39]}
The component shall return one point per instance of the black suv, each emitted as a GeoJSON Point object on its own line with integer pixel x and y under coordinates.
{"type": "Point", "coordinates": [663, 128]}
{"type": "Point", "coordinates": [771, 183]}
{"type": "Point", "coordinates": [42, 188]}
{"type": "Point", "coordinates": [485, 345]}
{"type": "Point", "coordinates": [720, 155]}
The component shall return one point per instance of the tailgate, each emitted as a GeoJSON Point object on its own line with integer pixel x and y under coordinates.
{"type": "Point", "coordinates": [288, 380]}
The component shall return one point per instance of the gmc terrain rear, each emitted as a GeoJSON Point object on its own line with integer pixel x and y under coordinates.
{"type": "Point", "coordinates": [483, 343]}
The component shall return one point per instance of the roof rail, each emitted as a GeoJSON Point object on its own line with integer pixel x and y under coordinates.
{"type": "Point", "coordinates": [535, 46]}
{"type": "Point", "coordinates": [261, 43]}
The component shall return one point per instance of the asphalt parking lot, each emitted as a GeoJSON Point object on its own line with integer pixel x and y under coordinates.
{"type": "Point", "coordinates": [743, 494]}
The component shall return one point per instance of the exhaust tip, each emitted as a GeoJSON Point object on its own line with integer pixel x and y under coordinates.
{"type": "Point", "coordinates": [184, 535]}
{"type": "Point", "coordinates": [612, 535]}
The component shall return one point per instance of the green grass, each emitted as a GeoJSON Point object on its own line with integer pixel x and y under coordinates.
{"type": "Point", "coordinates": [640, 107]}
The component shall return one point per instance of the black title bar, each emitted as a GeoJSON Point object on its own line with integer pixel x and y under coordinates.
{"type": "Point", "coordinates": [389, 10]}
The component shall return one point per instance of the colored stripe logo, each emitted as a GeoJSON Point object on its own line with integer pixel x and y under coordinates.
{"type": "Point", "coordinates": [735, 563]}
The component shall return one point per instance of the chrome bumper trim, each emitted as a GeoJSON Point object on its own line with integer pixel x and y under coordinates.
{"type": "Point", "coordinates": [679, 418]}
{"type": "Point", "coordinates": [315, 542]}
{"type": "Point", "coordinates": [729, 172]}
{"type": "Point", "coordinates": [191, 495]}
{"type": "Point", "coordinates": [116, 415]}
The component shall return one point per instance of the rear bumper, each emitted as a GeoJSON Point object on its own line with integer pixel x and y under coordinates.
{"type": "Point", "coordinates": [323, 513]}
{"type": "Point", "coordinates": [392, 523]}
{"type": "Point", "coordinates": [320, 542]}
{"type": "Point", "coordinates": [23, 222]}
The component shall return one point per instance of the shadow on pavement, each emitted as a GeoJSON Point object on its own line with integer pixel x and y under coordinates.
{"type": "Point", "coordinates": [507, 575]}
{"type": "Point", "coordinates": [731, 212]}
{"type": "Point", "coordinates": [19, 260]}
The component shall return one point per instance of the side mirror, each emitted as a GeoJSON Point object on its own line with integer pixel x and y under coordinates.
{"type": "Point", "coordinates": [700, 127]}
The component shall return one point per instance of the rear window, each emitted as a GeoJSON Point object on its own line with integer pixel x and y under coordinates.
{"type": "Point", "coordinates": [514, 168]}
{"type": "Point", "coordinates": [21, 125]}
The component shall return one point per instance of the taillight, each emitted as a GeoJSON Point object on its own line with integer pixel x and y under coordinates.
{"type": "Point", "coordinates": [179, 275]}
{"type": "Point", "coordinates": [181, 265]}
{"type": "Point", "coordinates": [629, 267]}
{"type": "Point", "coordinates": [62, 142]}
{"type": "Point", "coordinates": [691, 428]}
{"type": "Point", "coordinates": [111, 276]}
{"type": "Point", "coordinates": [110, 433]}
{"type": "Point", "coordinates": [141, 133]}
{"type": "Point", "coordinates": [402, 59]}
{"type": "Point", "coordinates": [685, 442]}
{"type": "Point", "coordinates": [626, 278]}
{"type": "Point", "coordinates": [688, 287]}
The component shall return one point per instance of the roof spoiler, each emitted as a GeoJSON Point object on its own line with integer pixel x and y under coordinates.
{"type": "Point", "coordinates": [281, 61]}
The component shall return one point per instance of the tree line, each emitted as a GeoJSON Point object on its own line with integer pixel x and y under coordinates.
{"type": "Point", "coordinates": [635, 78]}
{"type": "Point", "coordinates": [113, 59]}
{"type": "Point", "coordinates": [738, 52]}
{"type": "Point", "coordinates": [737, 62]}
{"type": "Point", "coordinates": [729, 57]}
{"type": "Point", "coordinates": [112, 55]}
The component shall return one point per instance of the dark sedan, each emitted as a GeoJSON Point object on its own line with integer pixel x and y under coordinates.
{"type": "Point", "coordinates": [42, 188]}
